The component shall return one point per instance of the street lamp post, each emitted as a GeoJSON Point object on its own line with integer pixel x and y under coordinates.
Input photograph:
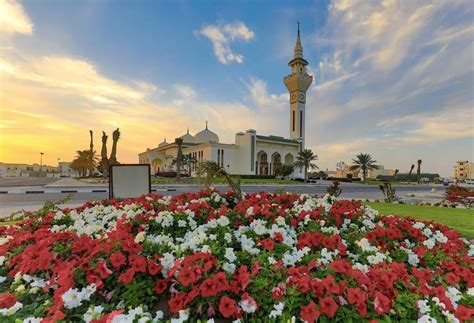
{"type": "Point", "coordinates": [41, 162]}
{"type": "Point", "coordinates": [59, 167]}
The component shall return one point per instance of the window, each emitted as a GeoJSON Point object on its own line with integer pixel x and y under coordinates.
{"type": "Point", "coordinates": [293, 120]}
{"type": "Point", "coordinates": [301, 124]}
{"type": "Point", "coordinates": [222, 158]}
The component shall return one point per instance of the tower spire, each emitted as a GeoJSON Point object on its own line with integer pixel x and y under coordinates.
{"type": "Point", "coordinates": [298, 52]}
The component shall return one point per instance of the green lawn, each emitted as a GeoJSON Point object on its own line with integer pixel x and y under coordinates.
{"type": "Point", "coordinates": [461, 220]}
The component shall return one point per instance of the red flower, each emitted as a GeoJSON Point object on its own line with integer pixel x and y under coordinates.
{"type": "Point", "coordinates": [278, 237]}
{"type": "Point", "coordinates": [279, 291]}
{"type": "Point", "coordinates": [452, 278]}
{"type": "Point", "coordinates": [154, 268]}
{"type": "Point", "coordinates": [328, 306]}
{"type": "Point", "coordinates": [208, 288]}
{"type": "Point", "coordinates": [382, 303]}
{"type": "Point", "coordinates": [464, 313]}
{"type": "Point", "coordinates": [355, 295]}
{"type": "Point", "coordinates": [127, 276]}
{"type": "Point", "coordinates": [267, 244]}
{"type": "Point", "coordinates": [243, 276]}
{"type": "Point", "coordinates": [341, 266]}
{"type": "Point", "coordinates": [188, 276]}
{"type": "Point", "coordinates": [117, 259]}
{"type": "Point", "coordinates": [7, 300]}
{"type": "Point", "coordinates": [176, 303]}
{"type": "Point", "coordinates": [309, 313]}
{"type": "Point", "coordinates": [138, 263]}
{"type": "Point", "coordinates": [220, 281]}
{"type": "Point", "coordinates": [160, 286]}
{"type": "Point", "coordinates": [330, 285]}
{"type": "Point", "coordinates": [228, 307]}
{"type": "Point", "coordinates": [102, 269]}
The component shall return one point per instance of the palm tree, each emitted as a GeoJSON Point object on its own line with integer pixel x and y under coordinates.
{"type": "Point", "coordinates": [305, 160]}
{"type": "Point", "coordinates": [409, 173]}
{"type": "Point", "coordinates": [179, 158]}
{"type": "Point", "coordinates": [341, 166]}
{"type": "Point", "coordinates": [186, 162]}
{"type": "Point", "coordinates": [364, 163]}
{"type": "Point", "coordinates": [418, 171]}
{"type": "Point", "coordinates": [85, 161]}
{"type": "Point", "coordinates": [396, 173]}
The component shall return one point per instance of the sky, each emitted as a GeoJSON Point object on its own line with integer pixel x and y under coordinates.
{"type": "Point", "coordinates": [391, 78]}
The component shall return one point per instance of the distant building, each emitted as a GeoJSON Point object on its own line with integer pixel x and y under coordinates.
{"type": "Point", "coordinates": [371, 174]}
{"type": "Point", "coordinates": [35, 170]}
{"type": "Point", "coordinates": [25, 170]}
{"type": "Point", "coordinates": [463, 170]}
{"type": "Point", "coordinates": [65, 170]}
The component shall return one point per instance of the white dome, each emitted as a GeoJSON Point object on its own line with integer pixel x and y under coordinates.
{"type": "Point", "coordinates": [164, 143]}
{"type": "Point", "coordinates": [187, 137]}
{"type": "Point", "coordinates": [205, 136]}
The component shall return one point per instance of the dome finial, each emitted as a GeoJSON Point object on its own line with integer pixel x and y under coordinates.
{"type": "Point", "coordinates": [298, 27]}
{"type": "Point", "coordinates": [206, 124]}
{"type": "Point", "coordinates": [188, 131]}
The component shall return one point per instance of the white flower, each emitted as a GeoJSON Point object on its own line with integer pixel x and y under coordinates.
{"type": "Point", "coordinates": [140, 237]}
{"type": "Point", "coordinates": [183, 317]}
{"type": "Point", "coordinates": [427, 319]}
{"type": "Point", "coordinates": [12, 310]}
{"type": "Point", "coordinates": [167, 261]}
{"type": "Point", "coordinates": [248, 305]}
{"type": "Point", "coordinates": [2, 260]}
{"type": "Point", "coordinates": [230, 255]}
{"type": "Point", "coordinates": [470, 291]}
{"type": "Point", "coordinates": [228, 268]}
{"type": "Point", "coordinates": [429, 243]}
{"type": "Point", "coordinates": [72, 298]}
{"type": "Point", "coordinates": [33, 320]}
{"type": "Point", "coordinates": [277, 310]}
{"type": "Point", "coordinates": [423, 306]}
{"type": "Point", "coordinates": [93, 313]}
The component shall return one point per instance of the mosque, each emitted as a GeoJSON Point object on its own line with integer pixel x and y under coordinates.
{"type": "Point", "coordinates": [251, 153]}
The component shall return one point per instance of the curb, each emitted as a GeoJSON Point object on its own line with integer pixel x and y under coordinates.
{"type": "Point", "coordinates": [76, 191]}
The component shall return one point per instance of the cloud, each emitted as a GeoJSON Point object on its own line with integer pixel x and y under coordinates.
{"type": "Point", "coordinates": [222, 35]}
{"type": "Point", "coordinates": [13, 19]}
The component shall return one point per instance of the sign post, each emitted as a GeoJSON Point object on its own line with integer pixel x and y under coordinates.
{"type": "Point", "coordinates": [129, 180]}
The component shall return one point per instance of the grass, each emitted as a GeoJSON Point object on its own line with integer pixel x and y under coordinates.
{"type": "Point", "coordinates": [460, 220]}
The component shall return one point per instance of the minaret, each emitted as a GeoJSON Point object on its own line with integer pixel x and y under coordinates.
{"type": "Point", "coordinates": [297, 84]}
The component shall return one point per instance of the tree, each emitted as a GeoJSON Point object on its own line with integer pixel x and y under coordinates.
{"type": "Point", "coordinates": [210, 170]}
{"type": "Point", "coordinates": [396, 173]}
{"type": "Point", "coordinates": [305, 160]}
{"type": "Point", "coordinates": [418, 171]}
{"type": "Point", "coordinates": [179, 158]}
{"type": "Point", "coordinates": [341, 166]}
{"type": "Point", "coordinates": [85, 161]}
{"type": "Point", "coordinates": [187, 162]}
{"type": "Point", "coordinates": [364, 163]}
{"type": "Point", "coordinates": [409, 173]}
{"type": "Point", "coordinates": [284, 170]}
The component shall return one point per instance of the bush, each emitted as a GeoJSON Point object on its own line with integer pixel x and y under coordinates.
{"type": "Point", "coordinates": [456, 194]}
{"type": "Point", "coordinates": [170, 174]}
{"type": "Point", "coordinates": [334, 189]}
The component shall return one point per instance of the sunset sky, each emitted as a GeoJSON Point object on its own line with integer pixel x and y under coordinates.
{"type": "Point", "coordinates": [392, 78]}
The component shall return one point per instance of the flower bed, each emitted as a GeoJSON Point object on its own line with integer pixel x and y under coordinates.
{"type": "Point", "coordinates": [267, 258]}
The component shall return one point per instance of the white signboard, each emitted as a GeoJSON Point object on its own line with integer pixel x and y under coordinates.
{"type": "Point", "coordinates": [129, 180]}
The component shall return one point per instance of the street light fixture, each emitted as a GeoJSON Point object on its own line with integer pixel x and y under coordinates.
{"type": "Point", "coordinates": [41, 162]}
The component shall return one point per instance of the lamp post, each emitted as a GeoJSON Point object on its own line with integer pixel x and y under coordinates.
{"type": "Point", "coordinates": [41, 162]}
{"type": "Point", "coordinates": [59, 167]}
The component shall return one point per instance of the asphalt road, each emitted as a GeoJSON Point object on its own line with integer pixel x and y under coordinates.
{"type": "Point", "coordinates": [14, 202]}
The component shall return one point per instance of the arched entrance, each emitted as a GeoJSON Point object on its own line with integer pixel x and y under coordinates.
{"type": "Point", "coordinates": [276, 163]}
{"type": "Point", "coordinates": [289, 159]}
{"type": "Point", "coordinates": [262, 163]}
{"type": "Point", "coordinates": [156, 165]}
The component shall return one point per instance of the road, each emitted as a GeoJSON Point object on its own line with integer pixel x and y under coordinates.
{"type": "Point", "coordinates": [15, 202]}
